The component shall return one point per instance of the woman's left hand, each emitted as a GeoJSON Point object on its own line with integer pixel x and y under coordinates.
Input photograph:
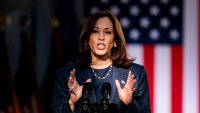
{"type": "Point", "coordinates": [126, 93]}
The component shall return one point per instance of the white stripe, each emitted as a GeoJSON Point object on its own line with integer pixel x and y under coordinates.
{"type": "Point", "coordinates": [136, 51]}
{"type": "Point", "coordinates": [190, 77]}
{"type": "Point", "coordinates": [162, 85]}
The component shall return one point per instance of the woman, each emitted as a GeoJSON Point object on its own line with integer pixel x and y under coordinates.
{"type": "Point", "coordinates": [103, 58]}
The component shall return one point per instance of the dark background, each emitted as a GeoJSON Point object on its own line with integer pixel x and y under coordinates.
{"type": "Point", "coordinates": [37, 38]}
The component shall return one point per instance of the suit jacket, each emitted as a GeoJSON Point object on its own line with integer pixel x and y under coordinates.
{"type": "Point", "coordinates": [140, 102]}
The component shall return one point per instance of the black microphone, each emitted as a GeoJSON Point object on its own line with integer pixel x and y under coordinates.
{"type": "Point", "coordinates": [85, 100]}
{"type": "Point", "coordinates": [105, 102]}
{"type": "Point", "coordinates": [106, 90]}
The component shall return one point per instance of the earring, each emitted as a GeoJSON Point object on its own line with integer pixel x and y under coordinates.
{"type": "Point", "coordinates": [115, 45]}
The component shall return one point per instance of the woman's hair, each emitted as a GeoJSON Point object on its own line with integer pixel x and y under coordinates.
{"type": "Point", "coordinates": [118, 53]}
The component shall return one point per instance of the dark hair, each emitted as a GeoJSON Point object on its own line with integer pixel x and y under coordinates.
{"type": "Point", "coordinates": [118, 54]}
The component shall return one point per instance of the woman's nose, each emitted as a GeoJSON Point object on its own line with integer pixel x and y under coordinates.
{"type": "Point", "coordinates": [101, 36]}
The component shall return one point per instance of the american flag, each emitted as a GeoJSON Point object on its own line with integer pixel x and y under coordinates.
{"type": "Point", "coordinates": [163, 35]}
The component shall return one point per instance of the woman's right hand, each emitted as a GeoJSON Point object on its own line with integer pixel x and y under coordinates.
{"type": "Point", "coordinates": [75, 89]}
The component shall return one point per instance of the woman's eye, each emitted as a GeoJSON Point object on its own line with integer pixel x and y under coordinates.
{"type": "Point", "coordinates": [94, 31]}
{"type": "Point", "coordinates": [108, 32]}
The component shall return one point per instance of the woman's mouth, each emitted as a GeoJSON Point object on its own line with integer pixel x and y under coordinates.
{"type": "Point", "coordinates": [101, 46]}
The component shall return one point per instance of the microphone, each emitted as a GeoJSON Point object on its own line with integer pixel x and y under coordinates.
{"type": "Point", "coordinates": [105, 102]}
{"type": "Point", "coordinates": [106, 90]}
{"type": "Point", "coordinates": [85, 100]}
{"type": "Point", "coordinates": [95, 108]}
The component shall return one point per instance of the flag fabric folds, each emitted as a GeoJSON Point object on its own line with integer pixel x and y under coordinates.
{"type": "Point", "coordinates": [5, 79]}
{"type": "Point", "coordinates": [25, 83]}
{"type": "Point", "coordinates": [56, 61]}
{"type": "Point", "coordinates": [8, 99]}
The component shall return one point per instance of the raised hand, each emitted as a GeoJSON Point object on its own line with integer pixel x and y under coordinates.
{"type": "Point", "coordinates": [126, 93]}
{"type": "Point", "coordinates": [75, 89]}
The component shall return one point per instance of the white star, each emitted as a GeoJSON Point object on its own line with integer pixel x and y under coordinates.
{"type": "Point", "coordinates": [164, 22]}
{"type": "Point", "coordinates": [115, 10]}
{"type": "Point", "coordinates": [154, 10]}
{"type": "Point", "coordinates": [124, 1]}
{"type": "Point", "coordinates": [174, 10]}
{"type": "Point", "coordinates": [144, 22]}
{"type": "Point", "coordinates": [104, 1]}
{"type": "Point", "coordinates": [164, 1]}
{"type": "Point", "coordinates": [125, 22]}
{"type": "Point", "coordinates": [93, 10]}
{"type": "Point", "coordinates": [174, 34]}
{"type": "Point", "coordinates": [134, 34]}
{"type": "Point", "coordinates": [144, 1]}
{"type": "Point", "coordinates": [134, 10]}
{"type": "Point", "coordinates": [154, 34]}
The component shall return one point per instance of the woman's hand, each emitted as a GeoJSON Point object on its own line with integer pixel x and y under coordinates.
{"type": "Point", "coordinates": [126, 94]}
{"type": "Point", "coordinates": [75, 89]}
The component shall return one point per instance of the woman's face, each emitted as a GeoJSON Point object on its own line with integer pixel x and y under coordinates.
{"type": "Point", "coordinates": [102, 38]}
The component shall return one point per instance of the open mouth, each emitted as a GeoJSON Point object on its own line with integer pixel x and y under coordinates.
{"type": "Point", "coordinates": [101, 46]}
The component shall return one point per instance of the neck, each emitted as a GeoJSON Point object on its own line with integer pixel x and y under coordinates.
{"type": "Point", "coordinates": [100, 64]}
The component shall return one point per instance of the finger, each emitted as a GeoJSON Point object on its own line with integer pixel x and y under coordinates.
{"type": "Point", "coordinates": [130, 80]}
{"type": "Point", "coordinates": [133, 90]}
{"type": "Point", "coordinates": [81, 87]}
{"type": "Point", "coordinates": [132, 84]}
{"type": "Point", "coordinates": [133, 87]}
{"type": "Point", "coordinates": [72, 79]}
{"type": "Point", "coordinates": [133, 76]}
{"type": "Point", "coordinates": [134, 81]}
{"type": "Point", "coordinates": [118, 84]}
{"type": "Point", "coordinates": [129, 77]}
{"type": "Point", "coordinates": [71, 90]}
{"type": "Point", "coordinates": [88, 80]}
{"type": "Point", "coordinates": [70, 82]}
{"type": "Point", "coordinates": [72, 73]}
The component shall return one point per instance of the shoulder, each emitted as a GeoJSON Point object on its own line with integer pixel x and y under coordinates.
{"type": "Point", "coordinates": [65, 71]}
{"type": "Point", "coordinates": [137, 67]}
{"type": "Point", "coordinates": [139, 72]}
{"type": "Point", "coordinates": [134, 67]}
{"type": "Point", "coordinates": [68, 68]}
{"type": "Point", "coordinates": [81, 73]}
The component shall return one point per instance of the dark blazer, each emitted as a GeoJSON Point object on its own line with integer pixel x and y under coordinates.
{"type": "Point", "coordinates": [140, 102]}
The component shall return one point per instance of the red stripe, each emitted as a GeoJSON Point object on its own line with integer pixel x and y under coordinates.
{"type": "Point", "coordinates": [176, 79]}
{"type": "Point", "coordinates": [149, 66]}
